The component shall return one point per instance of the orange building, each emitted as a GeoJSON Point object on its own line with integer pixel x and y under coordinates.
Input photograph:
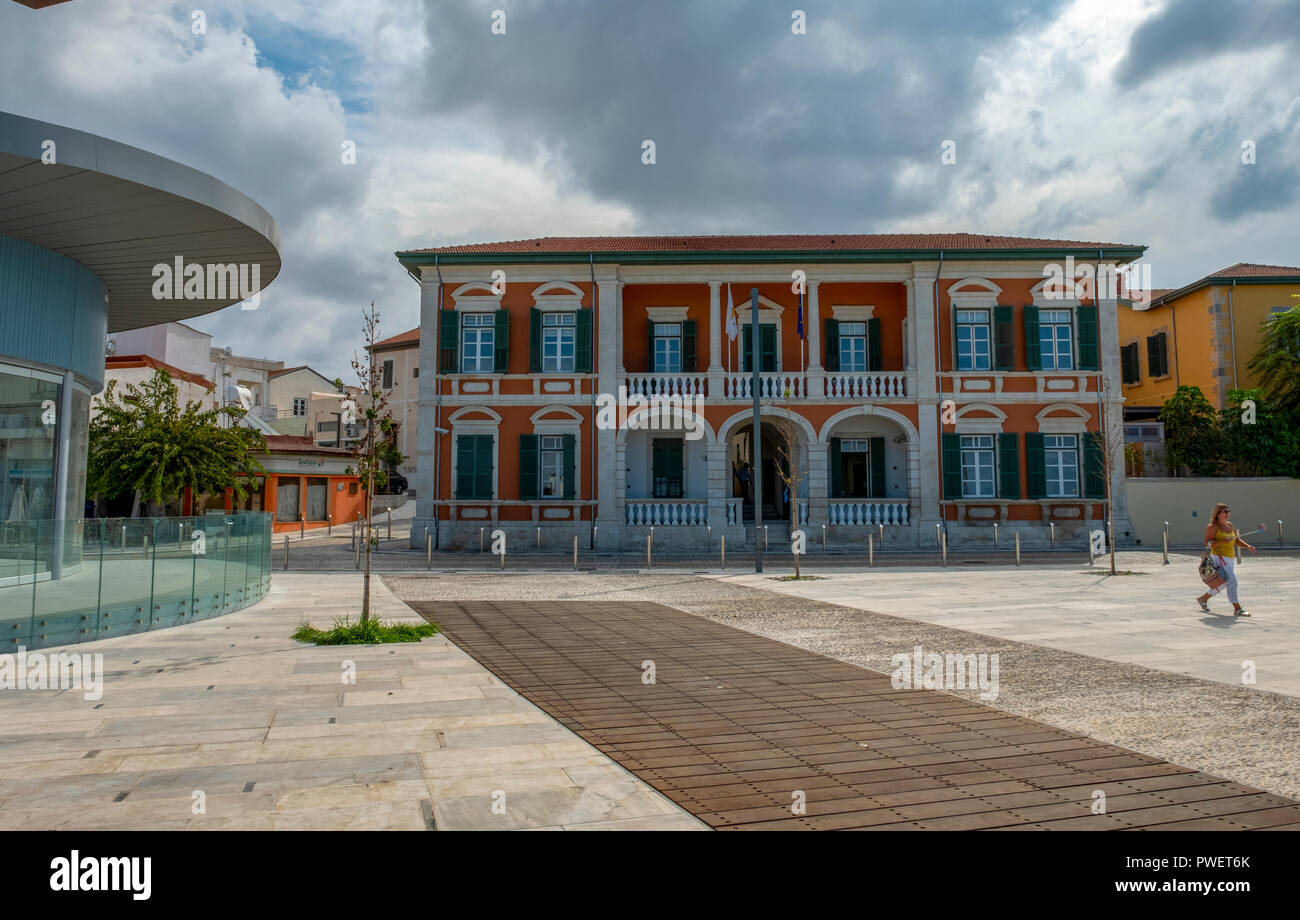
{"type": "Point", "coordinates": [590, 387]}
{"type": "Point", "coordinates": [304, 486]}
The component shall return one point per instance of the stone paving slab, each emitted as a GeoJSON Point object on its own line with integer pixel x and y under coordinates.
{"type": "Point", "coordinates": [823, 730]}
{"type": "Point", "coordinates": [268, 731]}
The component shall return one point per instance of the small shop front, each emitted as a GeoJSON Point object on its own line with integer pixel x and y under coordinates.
{"type": "Point", "coordinates": [303, 487]}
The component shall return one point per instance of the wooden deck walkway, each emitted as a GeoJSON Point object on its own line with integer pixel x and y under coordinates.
{"type": "Point", "coordinates": [738, 729]}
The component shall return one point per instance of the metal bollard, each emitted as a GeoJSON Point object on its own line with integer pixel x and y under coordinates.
{"type": "Point", "coordinates": [360, 536]}
{"type": "Point", "coordinates": [286, 552]}
{"type": "Point", "coordinates": [329, 525]}
{"type": "Point", "coordinates": [823, 538]}
{"type": "Point", "coordinates": [1279, 533]}
{"type": "Point", "coordinates": [390, 523]}
{"type": "Point", "coordinates": [539, 539]}
{"type": "Point", "coordinates": [503, 556]}
{"type": "Point", "coordinates": [724, 550]}
{"type": "Point", "coordinates": [1088, 536]}
{"type": "Point", "coordinates": [995, 536]}
{"type": "Point", "coordinates": [428, 549]}
{"type": "Point", "coordinates": [1051, 528]}
{"type": "Point", "coordinates": [708, 536]}
{"type": "Point", "coordinates": [766, 544]}
{"type": "Point", "coordinates": [944, 540]}
{"type": "Point", "coordinates": [480, 539]}
{"type": "Point", "coordinates": [938, 534]}
{"type": "Point", "coordinates": [648, 538]}
{"type": "Point", "coordinates": [881, 528]}
{"type": "Point", "coordinates": [302, 527]}
{"type": "Point", "coordinates": [575, 554]}
{"type": "Point", "coordinates": [1017, 548]}
{"type": "Point", "coordinates": [871, 550]}
{"type": "Point", "coordinates": [1165, 540]}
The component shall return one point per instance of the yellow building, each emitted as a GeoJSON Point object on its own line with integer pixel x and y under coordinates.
{"type": "Point", "coordinates": [1203, 334]}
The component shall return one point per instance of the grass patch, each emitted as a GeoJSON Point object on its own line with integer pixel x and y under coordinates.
{"type": "Point", "coordinates": [797, 577]}
{"type": "Point", "coordinates": [371, 632]}
{"type": "Point", "coordinates": [1125, 572]}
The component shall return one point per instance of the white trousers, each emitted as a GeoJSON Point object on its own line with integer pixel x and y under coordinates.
{"type": "Point", "coordinates": [1228, 565]}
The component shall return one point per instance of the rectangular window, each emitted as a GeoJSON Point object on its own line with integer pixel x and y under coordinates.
{"type": "Point", "coordinates": [552, 466]}
{"type": "Point", "coordinates": [478, 341]}
{"type": "Point", "coordinates": [973, 340]}
{"type": "Point", "coordinates": [668, 348]}
{"type": "Point", "coordinates": [415, 372]}
{"type": "Point", "coordinates": [299, 406]}
{"type": "Point", "coordinates": [1055, 340]}
{"type": "Point", "coordinates": [977, 466]}
{"type": "Point", "coordinates": [666, 468]}
{"type": "Point", "coordinates": [1061, 460]}
{"type": "Point", "coordinates": [557, 342]}
{"type": "Point", "coordinates": [1130, 363]}
{"type": "Point", "coordinates": [853, 347]}
{"type": "Point", "coordinates": [1157, 356]}
{"type": "Point", "coordinates": [388, 375]}
{"type": "Point", "coordinates": [474, 462]}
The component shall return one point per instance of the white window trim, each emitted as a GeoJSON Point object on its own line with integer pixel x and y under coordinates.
{"type": "Point", "coordinates": [667, 314]}
{"type": "Point", "coordinates": [990, 422]}
{"type": "Point", "coordinates": [461, 425]}
{"type": "Point", "coordinates": [1076, 422]}
{"type": "Point", "coordinates": [478, 303]}
{"type": "Point", "coordinates": [847, 313]}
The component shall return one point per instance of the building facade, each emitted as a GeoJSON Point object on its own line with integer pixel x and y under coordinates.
{"type": "Point", "coordinates": [589, 387]}
{"type": "Point", "coordinates": [397, 359]}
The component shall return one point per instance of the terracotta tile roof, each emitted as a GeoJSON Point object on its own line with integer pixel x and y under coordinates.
{"type": "Point", "coordinates": [114, 362]}
{"type": "Point", "coordinates": [1254, 270]}
{"type": "Point", "coordinates": [768, 242]}
{"type": "Point", "coordinates": [407, 337]}
{"type": "Point", "coordinates": [288, 443]}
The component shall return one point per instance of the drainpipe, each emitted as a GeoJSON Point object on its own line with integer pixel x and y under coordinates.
{"type": "Point", "coordinates": [1232, 334]}
{"type": "Point", "coordinates": [437, 412]}
{"type": "Point", "coordinates": [938, 368]}
{"type": "Point", "coordinates": [595, 369]}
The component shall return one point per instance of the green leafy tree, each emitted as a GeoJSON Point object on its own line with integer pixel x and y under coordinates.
{"type": "Point", "coordinates": [1277, 362]}
{"type": "Point", "coordinates": [143, 443]}
{"type": "Point", "coordinates": [1259, 438]}
{"type": "Point", "coordinates": [1192, 437]}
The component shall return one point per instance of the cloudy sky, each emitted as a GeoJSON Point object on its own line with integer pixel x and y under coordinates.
{"type": "Point", "coordinates": [1115, 121]}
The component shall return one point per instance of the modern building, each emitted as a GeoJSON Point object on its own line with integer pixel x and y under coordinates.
{"type": "Point", "coordinates": [939, 379]}
{"type": "Point", "coordinates": [91, 232]}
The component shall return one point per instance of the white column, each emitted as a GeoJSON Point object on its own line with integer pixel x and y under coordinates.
{"type": "Point", "coordinates": [608, 378]}
{"type": "Point", "coordinates": [427, 439]}
{"type": "Point", "coordinates": [921, 328]}
{"type": "Point", "coordinates": [715, 327]}
{"type": "Point", "coordinates": [816, 373]}
{"type": "Point", "coordinates": [719, 482]}
{"type": "Point", "coordinates": [818, 488]}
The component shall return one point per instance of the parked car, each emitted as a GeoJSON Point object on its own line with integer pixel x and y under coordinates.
{"type": "Point", "coordinates": [396, 485]}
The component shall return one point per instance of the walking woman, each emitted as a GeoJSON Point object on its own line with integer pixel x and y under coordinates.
{"type": "Point", "coordinates": [1222, 538]}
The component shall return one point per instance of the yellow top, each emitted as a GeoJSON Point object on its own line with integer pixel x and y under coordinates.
{"type": "Point", "coordinates": [1224, 544]}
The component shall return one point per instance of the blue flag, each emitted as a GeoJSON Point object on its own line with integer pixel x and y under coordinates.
{"type": "Point", "coordinates": [799, 327]}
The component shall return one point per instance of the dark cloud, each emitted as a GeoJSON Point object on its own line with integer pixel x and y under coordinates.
{"type": "Point", "coordinates": [807, 131]}
{"type": "Point", "coordinates": [1190, 31]}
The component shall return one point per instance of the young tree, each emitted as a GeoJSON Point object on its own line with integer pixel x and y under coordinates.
{"type": "Point", "coordinates": [1277, 362]}
{"type": "Point", "coordinates": [1192, 436]}
{"type": "Point", "coordinates": [372, 450]}
{"type": "Point", "coordinates": [142, 442]}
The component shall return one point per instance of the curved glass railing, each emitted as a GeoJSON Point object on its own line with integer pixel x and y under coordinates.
{"type": "Point", "coordinates": [72, 581]}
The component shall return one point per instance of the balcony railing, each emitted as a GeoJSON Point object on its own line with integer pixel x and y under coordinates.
{"type": "Point", "coordinates": [667, 384]}
{"type": "Point", "coordinates": [873, 385]}
{"type": "Point", "coordinates": [867, 512]}
{"type": "Point", "coordinates": [666, 512]}
{"type": "Point", "coordinates": [770, 386]}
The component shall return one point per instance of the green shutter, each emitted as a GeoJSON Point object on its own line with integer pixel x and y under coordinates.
{"type": "Point", "coordinates": [1033, 347]}
{"type": "Point", "coordinates": [832, 345]}
{"type": "Point", "coordinates": [483, 467]}
{"type": "Point", "coordinates": [650, 361]}
{"type": "Point", "coordinates": [583, 340]}
{"type": "Point", "coordinates": [449, 341]}
{"type": "Point", "coordinates": [528, 464]}
{"type": "Point", "coordinates": [1004, 339]}
{"type": "Point", "coordinates": [501, 342]}
{"type": "Point", "coordinates": [877, 459]}
{"type": "Point", "coordinates": [875, 346]}
{"type": "Point", "coordinates": [570, 466]}
{"type": "Point", "coordinates": [1035, 465]}
{"type": "Point", "coordinates": [1008, 465]}
{"type": "Point", "coordinates": [767, 346]}
{"type": "Point", "coordinates": [1163, 348]}
{"type": "Point", "coordinates": [837, 467]}
{"type": "Point", "coordinates": [746, 349]}
{"type": "Point", "coordinates": [1094, 480]}
{"type": "Point", "coordinates": [689, 359]}
{"type": "Point", "coordinates": [534, 341]}
{"type": "Point", "coordinates": [465, 466]}
{"type": "Point", "coordinates": [951, 449]}
{"type": "Point", "coordinates": [1087, 338]}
